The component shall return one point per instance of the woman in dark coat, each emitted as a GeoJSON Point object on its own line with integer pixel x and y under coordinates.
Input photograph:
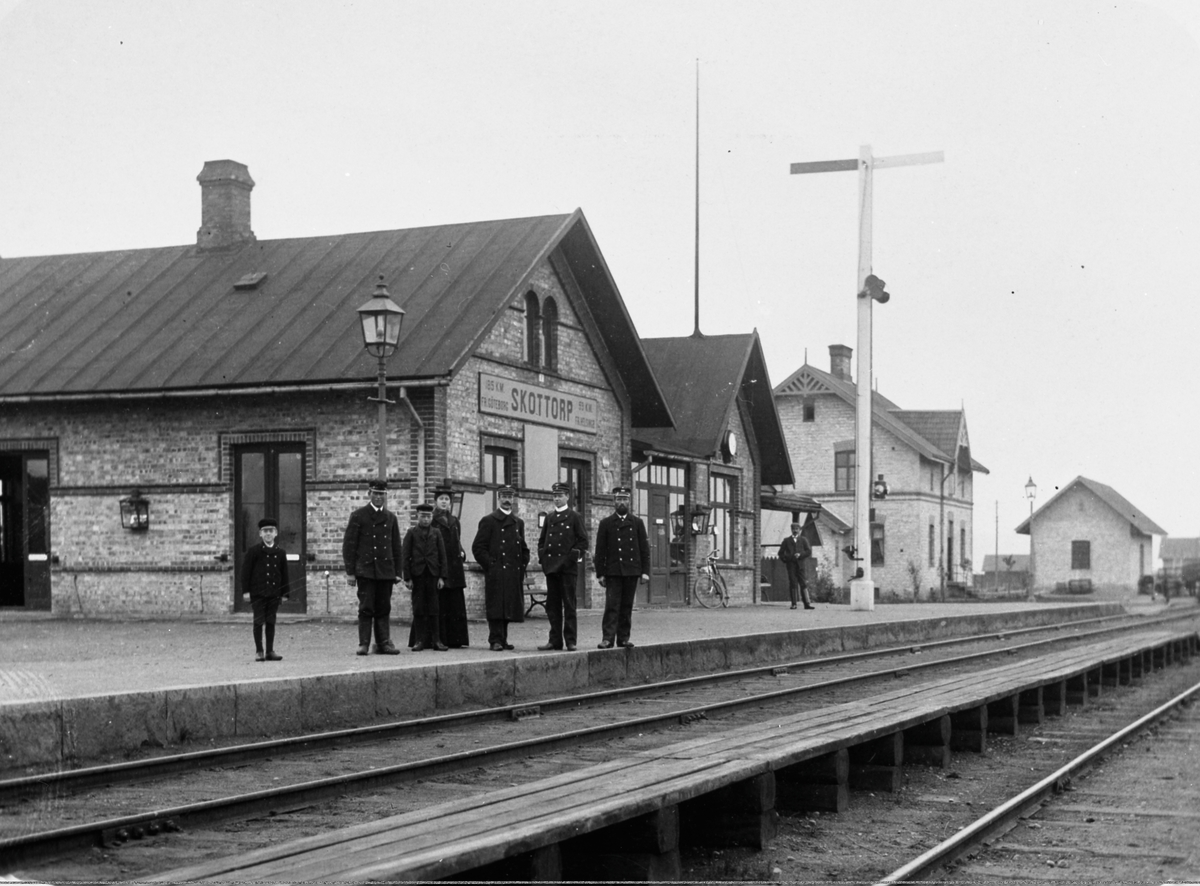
{"type": "Point", "coordinates": [452, 605]}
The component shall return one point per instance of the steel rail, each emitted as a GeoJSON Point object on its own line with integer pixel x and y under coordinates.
{"type": "Point", "coordinates": [1001, 818]}
{"type": "Point", "coordinates": [158, 767]}
{"type": "Point", "coordinates": [40, 844]}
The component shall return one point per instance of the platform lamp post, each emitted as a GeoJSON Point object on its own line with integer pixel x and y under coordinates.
{"type": "Point", "coordinates": [1031, 494]}
{"type": "Point", "coordinates": [381, 320]}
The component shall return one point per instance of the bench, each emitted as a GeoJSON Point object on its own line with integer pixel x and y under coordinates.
{"type": "Point", "coordinates": [622, 819]}
{"type": "Point", "coordinates": [537, 597]}
{"type": "Point", "coordinates": [1079, 586]}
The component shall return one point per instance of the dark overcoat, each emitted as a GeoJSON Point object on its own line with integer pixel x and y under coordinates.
{"type": "Point", "coordinates": [423, 553]}
{"type": "Point", "coordinates": [622, 547]}
{"type": "Point", "coordinates": [265, 572]}
{"type": "Point", "coordinates": [562, 542]}
{"type": "Point", "coordinates": [501, 550]}
{"type": "Point", "coordinates": [793, 552]}
{"type": "Point", "coordinates": [371, 546]}
{"type": "Point", "coordinates": [447, 524]}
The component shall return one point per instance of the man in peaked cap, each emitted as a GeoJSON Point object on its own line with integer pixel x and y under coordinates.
{"type": "Point", "coordinates": [622, 560]}
{"type": "Point", "coordinates": [501, 550]}
{"type": "Point", "coordinates": [371, 553]}
{"type": "Point", "coordinates": [561, 547]}
{"type": "Point", "coordinates": [793, 551]}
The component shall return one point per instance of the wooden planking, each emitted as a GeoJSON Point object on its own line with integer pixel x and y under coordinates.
{"type": "Point", "coordinates": [464, 834]}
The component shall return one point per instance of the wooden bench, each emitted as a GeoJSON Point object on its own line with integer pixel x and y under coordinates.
{"type": "Point", "coordinates": [537, 597]}
{"type": "Point", "coordinates": [624, 819]}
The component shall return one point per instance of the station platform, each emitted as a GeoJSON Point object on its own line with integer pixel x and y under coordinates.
{"type": "Point", "coordinates": [90, 690]}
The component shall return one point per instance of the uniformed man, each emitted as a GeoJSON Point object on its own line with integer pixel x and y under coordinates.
{"type": "Point", "coordinates": [561, 547]}
{"type": "Point", "coordinates": [622, 559]}
{"type": "Point", "coordinates": [501, 550]}
{"type": "Point", "coordinates": [793, 551]}
{"type": "Point", "coordinates": [423, 557]}
{"type": "Point", "coordinates": [371, 553]}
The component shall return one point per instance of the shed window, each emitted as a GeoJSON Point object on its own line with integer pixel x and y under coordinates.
{"type": "Point", "coordinates": [1081, 555]}
{"type": "Point", "coordinates": [550, 334]}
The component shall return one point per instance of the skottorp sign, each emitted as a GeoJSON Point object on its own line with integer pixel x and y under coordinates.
{"type": "Point", "coordinates": [503, 396]}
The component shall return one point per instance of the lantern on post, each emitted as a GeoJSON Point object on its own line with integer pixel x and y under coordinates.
{"type": "Point", "coordinates": [381, 320]}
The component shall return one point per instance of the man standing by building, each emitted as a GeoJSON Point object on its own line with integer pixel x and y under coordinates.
{"type": "Point", "coordinates": [622, 559]}
{"type": "Point", "coordinates": [501, 550]}
{"type": "Point", "coordinates": [794, 551]}
{"type": "Point", "coordinates": [561, 545]}
{"type": "Point", "coordinates": [371, 553]}
{"type": "Point", "coordinates": [424, 567]}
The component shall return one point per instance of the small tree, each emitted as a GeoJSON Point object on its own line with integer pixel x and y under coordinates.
{"type": "Point", "coordinates": [914, 578]}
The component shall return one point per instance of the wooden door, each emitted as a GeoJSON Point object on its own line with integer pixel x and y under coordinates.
{"type": "Point", "coordinates": [25, 530]}
{"type": "Point", "coordinates": [577, 473]}
{"type": "Point", "coordinates": [658, 528]}
{"type": "Point", "coordinates": [269, 482]}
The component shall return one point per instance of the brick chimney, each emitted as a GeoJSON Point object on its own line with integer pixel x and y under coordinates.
{"type": "Point", "coordinates": [225, 187]}
{"type": "Point", "coordinates": [839, 361]}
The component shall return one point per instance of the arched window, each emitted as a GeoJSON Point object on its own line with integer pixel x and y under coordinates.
{"type": "Point", "coordinates": [533, 330]}
{"type": "Point", "coordinates": [550, 334]}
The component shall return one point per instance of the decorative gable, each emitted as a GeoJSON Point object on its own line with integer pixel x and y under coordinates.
{"type": "Point", "coordinates": [803, 384]}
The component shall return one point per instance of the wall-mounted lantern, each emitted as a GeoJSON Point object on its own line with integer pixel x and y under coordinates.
{"type": "Point", "coordinates": [700, 514]}
{"type": "Point", "coordinates": [135, 512]}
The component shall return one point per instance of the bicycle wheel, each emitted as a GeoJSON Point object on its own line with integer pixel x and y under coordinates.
{"type": "Point", "coordinates": [722, 591]}
{"type": "Point", "coordinates": [706, 591]}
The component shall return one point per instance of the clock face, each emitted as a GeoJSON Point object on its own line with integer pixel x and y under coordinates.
{"type": "Point", "coordinates": [729, 446]}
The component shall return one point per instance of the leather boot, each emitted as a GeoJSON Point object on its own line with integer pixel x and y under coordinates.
{"type": "Point", "coordinates": [364, 636]}
{"type": "Point", "coordinates": [383, 640]}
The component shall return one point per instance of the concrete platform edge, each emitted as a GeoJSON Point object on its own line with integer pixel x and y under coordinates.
{"type": "Point", "coordinates": [72, 731]}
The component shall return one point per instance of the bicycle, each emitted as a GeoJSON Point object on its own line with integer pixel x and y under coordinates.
{"type": "Point", "coordinates": [710, 583]}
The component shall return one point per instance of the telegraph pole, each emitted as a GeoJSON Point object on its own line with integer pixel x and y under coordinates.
{"type": "Point", "coordinates": [862, 589]}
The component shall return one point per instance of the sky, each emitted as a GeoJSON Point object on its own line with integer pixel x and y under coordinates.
{"type": "Point", "coordinates": [1040, 276]}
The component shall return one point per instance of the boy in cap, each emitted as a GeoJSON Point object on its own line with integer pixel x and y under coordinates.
{"type": "Point", "coordinates": [501, 550]}
{"type": "Point", "coordinates": [423, 559]}
{"type": "Point", "coordinates": [371, 554]}
{"type": "Point", "coordinates": [622, 559]}
{"type": "Point", "coordinates": [793, 551]}
{"type": "Point", "coordinates": [561, 546]}
{"type": "Point", "coordinates": [265, 579]}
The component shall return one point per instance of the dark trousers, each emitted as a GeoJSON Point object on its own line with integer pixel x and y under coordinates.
{"type": "Point", "coordinates": [498, 631]}
{"type": "Point", "coordinates": [425, 609]}
{"type": "Point", "coordinates": [560, 608]}
{"type": "Point", "coordinates": [619, 591]}
{"type": "Point", "coordinates": [797, 583]}
{"type": "Point", "coordinates": [374, 598]}
{"type": "Point", "coordinates": [265, 609]}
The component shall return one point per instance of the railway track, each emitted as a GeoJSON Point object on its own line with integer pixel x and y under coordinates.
{"type": "Point", "coordinates": [442, 745]}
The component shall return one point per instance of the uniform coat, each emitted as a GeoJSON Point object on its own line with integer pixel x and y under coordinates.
{"type": "Point", "coordinates": [501, 550]}
{"type": "Point", "coordinates": [622, 547]}
{"type": "Point", "coordinates": [423, 553]}
{"type": "Point", "coordinates": [793, 552]}
{"type": "Point", "coordinates": [265, 572]}
{"type": "Point", "coordinates": [371, 547]}
{"type": "Point", "coordinates": [562, 543]}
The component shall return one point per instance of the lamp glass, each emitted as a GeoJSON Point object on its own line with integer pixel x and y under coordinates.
{"type": "Point", "coordinates": [1031, 489]}
{"type": "Point", "coordinates": [382, 320]}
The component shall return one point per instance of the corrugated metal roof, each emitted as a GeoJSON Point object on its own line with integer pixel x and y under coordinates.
{"type": "Point", "coordinates": [1110, 497]}
{"type": "Point", "coordinates": [170, 319]}
{"type": "Point", "coordinates": [702, 377]}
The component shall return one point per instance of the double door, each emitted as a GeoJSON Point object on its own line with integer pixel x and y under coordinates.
{"type": "Point", "coordinates": [25, 529]}
{"type": "Point", "coordinates": [269, 482]}
{"type": "Point", "coordinates": [577, 473]}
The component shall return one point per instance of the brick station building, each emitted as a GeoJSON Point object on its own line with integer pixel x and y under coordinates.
{"type": "Point", "coordinates": [227, 380]}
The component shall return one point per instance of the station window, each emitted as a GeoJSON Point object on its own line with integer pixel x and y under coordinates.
{"type": "Point", "coordinates": [932, 545]}
{"type": "Point", "coordinates": [876, 544]}
{"type": "Point", "coordinates": [1081, 555]}
{"type": "Point", "coordinates": [533, 330]}
{"type": "Point", "coordinates": [499, 466]}
{"type": "Point", "coordinates": [810, 410]}
{"type": "Point", "coordinates": [550, 334]}
{"type": "Point", "coordinates": [720, 497]}
{"type": "Point", "coordinates": [843, 471]}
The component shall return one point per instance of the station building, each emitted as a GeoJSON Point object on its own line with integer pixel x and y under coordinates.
{"type": "Point", "coordinates": [921, 533]}
{"type": "Point", "coordinates": [698, 484]}
{"type": "Point", "coordinates": [215, 383]}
